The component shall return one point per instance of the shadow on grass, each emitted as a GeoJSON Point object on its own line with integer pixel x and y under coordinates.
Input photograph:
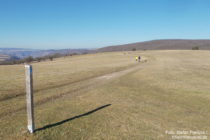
{"type": "Point", "coordinates": [70, 119]}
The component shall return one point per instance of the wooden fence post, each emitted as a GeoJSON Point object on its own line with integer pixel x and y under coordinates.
{"type": "Point", "coordinates": [29, 97]}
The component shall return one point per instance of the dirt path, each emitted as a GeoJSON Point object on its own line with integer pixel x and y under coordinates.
{"type": "Point", "coordinates": [81, 87]}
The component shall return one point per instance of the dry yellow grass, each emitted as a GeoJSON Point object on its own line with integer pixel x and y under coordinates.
{"type": "Point", "coordinates": [168, 92]}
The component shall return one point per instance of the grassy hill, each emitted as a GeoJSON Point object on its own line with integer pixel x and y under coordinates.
{"type": "Point", "coordinates": [160, 45]}
{"type": "Point", "coordinates": [109, 96]}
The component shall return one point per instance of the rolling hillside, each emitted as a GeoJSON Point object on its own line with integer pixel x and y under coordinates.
{"type": "Point", "coordinates": [172, 44]}
{"type": "Point", "coordinates": [109, 96]}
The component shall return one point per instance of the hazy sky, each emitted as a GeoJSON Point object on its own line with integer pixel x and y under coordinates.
{"type": "Point", "coordinates": [96, 23]}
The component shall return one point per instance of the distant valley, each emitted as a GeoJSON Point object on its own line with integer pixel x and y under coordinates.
{"type": "Point", "coordinates": [4, 57]}
{"type": "Point", "coordinates": [19, 53]}
{"type": "Point", "coordinates": [167, 44]}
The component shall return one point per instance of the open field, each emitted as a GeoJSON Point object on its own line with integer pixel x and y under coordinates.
{"type": "Point", "coordinates": [109, 96]}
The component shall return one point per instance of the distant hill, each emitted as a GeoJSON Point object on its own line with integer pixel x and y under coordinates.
{"type": "Point", "coordinates": [170, 44]}
{"type": "Point", "coordinates": [22, 53]}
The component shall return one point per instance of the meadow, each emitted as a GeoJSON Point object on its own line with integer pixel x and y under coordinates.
{"type": "Point", "coordinates": [109, 96]}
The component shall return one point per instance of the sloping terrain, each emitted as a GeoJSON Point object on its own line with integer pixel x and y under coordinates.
{"type": "Point", "coordinates": [109, 96]}
{"type": "Point", "coordinates": [160, 45]}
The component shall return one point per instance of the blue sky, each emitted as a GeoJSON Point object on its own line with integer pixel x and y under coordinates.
{"type": "Point", "coordinates": [56, 24]}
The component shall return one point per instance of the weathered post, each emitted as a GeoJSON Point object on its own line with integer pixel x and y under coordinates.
{"type": "Point", "coordinates": [29, 97]}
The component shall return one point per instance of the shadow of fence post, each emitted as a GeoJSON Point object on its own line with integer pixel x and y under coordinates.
{"type": "Point", "coordinates": [70, 119]}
